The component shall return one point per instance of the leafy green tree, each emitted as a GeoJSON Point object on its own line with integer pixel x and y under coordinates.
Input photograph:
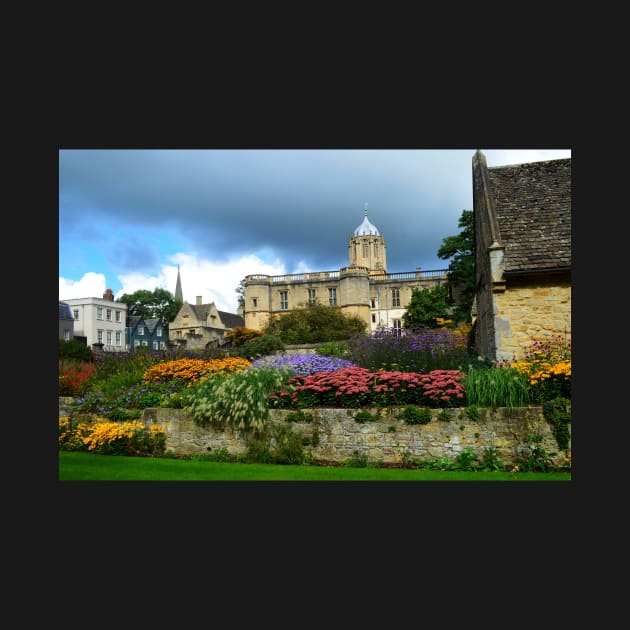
{"type": "Point", "coordinates": [313, 323]}
{"type": "Point", "coordinates": [425, 306]}
{"type": "Point", "coordinates": [240, 291]}
{"type": "Point", "coordinates": [461, 269]}
{"type": "Point", "coordinates": [158, 303]}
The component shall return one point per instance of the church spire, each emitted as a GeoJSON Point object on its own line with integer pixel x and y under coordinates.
{"type": "Point", "coordinates": [178, 287]}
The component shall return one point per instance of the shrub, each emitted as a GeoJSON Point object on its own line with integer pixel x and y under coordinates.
{"type": "Point", "coordinates": [74, 376]}
{"type": "Point", "coordinates": [75, 349]}
{"type": "Point", "coordinates": [415, 415]}
{"type": "Point", "coordinates": [240, 335]}
{"type": "Point", "coordinates": [267, 344]}
{"type": "Point", "coordinates": [558, 413]}
{"type": "Point", "coordinates": [337, 349]}
{"type": "Point", "coordinates": [365, 416]}
{"type": "Point", "coordinates": [299, 416]}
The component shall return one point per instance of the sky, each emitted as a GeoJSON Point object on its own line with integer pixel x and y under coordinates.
{"type": "Point", "coordinates": [129, 217]}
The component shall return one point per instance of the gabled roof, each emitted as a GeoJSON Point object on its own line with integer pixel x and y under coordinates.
{"type": "Point", "coordinates": [532, 205]}
{"type": "Point", "coordinates": [230, 320]}
{"type": "Point", "coordinates": [152, 324]}
{"type": "Point", "coordinates": [133, 321]}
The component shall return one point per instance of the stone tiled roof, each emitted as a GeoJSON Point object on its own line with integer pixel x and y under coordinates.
{"type": "Point", "coordinates": [533, 208]}
{"type": "Point", "coordinates": [231, 320]}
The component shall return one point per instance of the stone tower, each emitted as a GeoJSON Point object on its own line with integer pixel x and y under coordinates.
{"type": "Point", "coordinates": [366, 248]}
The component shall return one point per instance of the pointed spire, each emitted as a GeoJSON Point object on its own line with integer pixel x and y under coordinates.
{"type": "Point", "coordinates": [365, 205]}
{"type": "Point", "coordinates": [178, 287]}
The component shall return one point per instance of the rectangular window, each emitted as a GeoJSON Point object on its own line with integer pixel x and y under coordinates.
{"type": "Point", "coordinates": [284, 300]}
{"type": "Point", "coordinates": [156, 345]}
{"type": "Point", "coordinates": [145, 343]}
{"type": "Point", "coordinates": [375, 250]}
{"type": "Point", "coordinates": [397, 326]}
{"type": "Point", "coordinates": [109, 337]}
{"type": "Point", "coordinates": [99, 336]}
{"type": "Point", "coordinates": [136, 343]}
{"type": "Point", "coordinates": [254, 302]}
{"type": "Point", "coordinates": [162, 345]}
{"type": "Point", "coordinates": [141, 330]}
{"type": "Point", "coordinates": [311, 296]}
{"type": "Point", "coordinates": [66, 334]}
{"type": "Point", "coordinates": [118, 316]}
{"type": "Point", "coordinates": [366, 250]}
{"type": "Point", "coordinates": [76, 314]}
{"type": "Point", "coordinates": [108, 314]}
{"type": "Point", "coordinates": [374, 318]}
{"type": "Point", "coordinates": [99, 313]}
{"type": "Point", "coordinates": [373, 303]}
{"type": "Point", "coordinates": [118, 338]}
{"type": "Point", "coordinates": [395, 297]}
{"type": "Point", "coordinates": [332, 297]}
{"type": "Point", "coordinates": [158, 332]}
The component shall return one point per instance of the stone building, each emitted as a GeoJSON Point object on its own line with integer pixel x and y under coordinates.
{"type": "Point", "coordinates": [522, 217]}
{"type": "Point", "coordinates": [363, 288]}
{"type": "Point", "coordinates": [199, 326]}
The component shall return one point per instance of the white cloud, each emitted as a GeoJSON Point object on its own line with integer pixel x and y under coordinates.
{"type": "Point", "coordinates": [91, 285]}
{"type": "Point", "coordinates": [214, 281]}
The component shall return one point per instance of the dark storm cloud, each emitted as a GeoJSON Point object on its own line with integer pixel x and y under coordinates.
{"type": "Point", "coordinates": [302, 205]}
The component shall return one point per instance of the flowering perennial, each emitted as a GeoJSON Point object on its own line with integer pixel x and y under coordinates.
{"type": "Point", "coordinates": [193, 370]}
{"type": "Point", "coordinates": [360, 387]}
{"type": "Point", "coordinates": [302, 364]}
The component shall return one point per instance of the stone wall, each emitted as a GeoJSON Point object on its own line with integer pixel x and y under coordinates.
{"type": "Point", "coordinates": [527, 311]}
{"type": "Point", "coordinates": [388, 439]}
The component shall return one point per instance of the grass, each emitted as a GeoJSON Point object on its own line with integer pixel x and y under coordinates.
{"type": "Point", "coordinates": [76, 466]}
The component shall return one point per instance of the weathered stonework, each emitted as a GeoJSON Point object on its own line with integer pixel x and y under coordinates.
{"type": "Point", "coordinates": [388, 439]}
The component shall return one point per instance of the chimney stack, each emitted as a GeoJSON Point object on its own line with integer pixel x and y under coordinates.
{"type": "Point", "coordinates": [108, 295]}
{"type": "Point", "coordinates": [198, 300]}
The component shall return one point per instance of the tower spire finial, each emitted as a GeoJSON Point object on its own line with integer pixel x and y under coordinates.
{"type": "Point", "coordinates": [365, 205]}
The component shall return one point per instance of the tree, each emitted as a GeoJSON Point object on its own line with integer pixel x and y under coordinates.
{"type": "Point", "coordinates": [461, 269]}
{"type": "Point", "coordinates": [313, 323]}
{"type": "Point", "coordinates": [425, 306]}
{"type": "Point", "coordinates": [158, 303]}
{"type": "Point", "coordinates": [240, 290]}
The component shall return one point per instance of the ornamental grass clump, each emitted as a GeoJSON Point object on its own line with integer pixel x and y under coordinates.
{"type": "Point", "coordinates": [238, 399]}
{"type": "Point", "coordinates": [496, 387]}
{"type": "Point", "coordinates": [302, 364]}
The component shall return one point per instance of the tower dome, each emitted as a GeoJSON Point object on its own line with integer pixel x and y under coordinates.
{"type": "Point", "coordinates": [366, 228]}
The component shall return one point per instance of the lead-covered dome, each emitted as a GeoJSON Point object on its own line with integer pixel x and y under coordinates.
{"type": "Point", "coordinates": [366, 228]}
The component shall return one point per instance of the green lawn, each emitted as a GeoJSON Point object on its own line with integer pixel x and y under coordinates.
{"type": "Point", "coordinates": [90, 467]}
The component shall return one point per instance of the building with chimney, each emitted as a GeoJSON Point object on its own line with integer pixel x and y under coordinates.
{"type": "Point", "coordinates": [199, 326]}
{"type": "Point", "coordinates": [101, 321]}
{"type": "Point", "coordinates": [364, 288]}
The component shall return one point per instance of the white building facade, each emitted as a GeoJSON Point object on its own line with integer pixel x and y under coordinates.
{"type": "Point", "coordinates": [100, 320]}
